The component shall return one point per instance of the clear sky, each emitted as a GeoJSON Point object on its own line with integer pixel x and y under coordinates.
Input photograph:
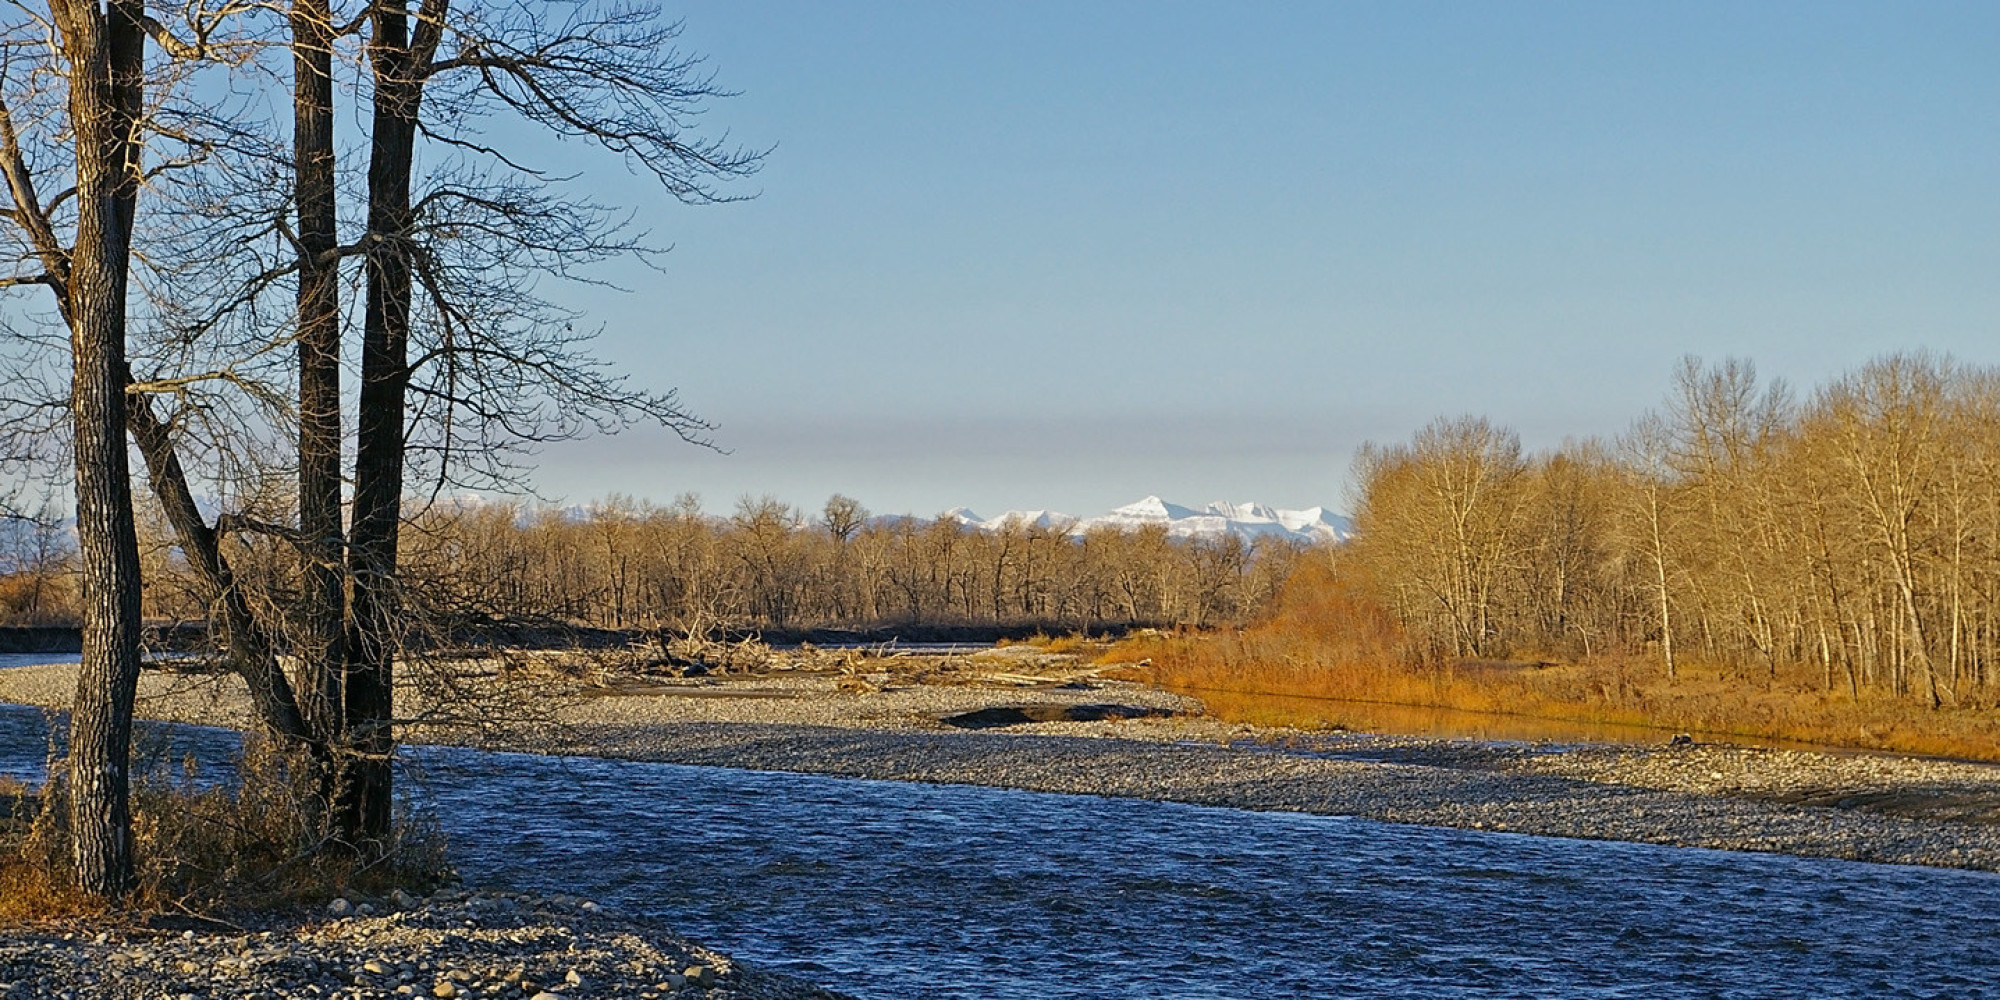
{"type": "Point", "coordinates": [1065, 254]}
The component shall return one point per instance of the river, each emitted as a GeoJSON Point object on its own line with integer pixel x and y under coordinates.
{"type": "Point", "coordinates": [889, 890]}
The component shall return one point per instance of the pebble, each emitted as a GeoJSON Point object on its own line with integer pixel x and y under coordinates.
{"type": "Point", "coordinates": [307, 960]}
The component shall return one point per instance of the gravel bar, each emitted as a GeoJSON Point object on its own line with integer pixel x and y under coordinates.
{"type": "Point", "coordinates": [1254, 777]}
{"type": "Point", "coordinates": [1865, 807]}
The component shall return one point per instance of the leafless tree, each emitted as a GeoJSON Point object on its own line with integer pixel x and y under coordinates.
{"type": "Point", "coordinates": [77, 72]}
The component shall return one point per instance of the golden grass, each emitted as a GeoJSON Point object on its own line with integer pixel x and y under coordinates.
{"type": "Point", "coordinates": [1325, 644]}
{"type": "Point", "coordinates": [1071, 643]}
{"type": "Point", "coordinates": [203, 848]}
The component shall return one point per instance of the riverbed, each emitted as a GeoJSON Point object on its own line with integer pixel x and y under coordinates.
{"type": "Point", "coordinates": [897, 889]}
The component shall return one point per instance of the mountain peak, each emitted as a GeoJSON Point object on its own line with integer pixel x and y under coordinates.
{"type": "Point", "coordinates": [1248, 521]}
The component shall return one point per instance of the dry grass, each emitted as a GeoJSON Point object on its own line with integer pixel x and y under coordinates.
{"type": "Point", "coordinates": [1052, 643]}
{"type": "Point", "coordinates": [202, 847]}
{"type": "Point", "coordinates": [1325, 643]}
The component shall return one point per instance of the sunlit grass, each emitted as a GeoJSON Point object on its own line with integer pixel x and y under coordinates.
{"type": "Point", "coordinates": [1325, 644]}
{"type": "Point", "coordinates": [206, 847]}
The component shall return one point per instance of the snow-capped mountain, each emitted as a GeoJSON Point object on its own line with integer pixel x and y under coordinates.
{"type": "Point", "coordinates": [1248, 521]}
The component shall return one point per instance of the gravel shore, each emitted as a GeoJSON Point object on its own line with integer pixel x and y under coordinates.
{"type": "Point", "coordinates": [455, 944]}
{"type": "Point", "coordinates": [1853, 806]}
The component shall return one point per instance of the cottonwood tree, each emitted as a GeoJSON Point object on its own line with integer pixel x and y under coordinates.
{"type": "Point", "coordinates": [1885, 425]}
{"type": "Point", "coordinates": [1849, 543]}
{"type": "Point", "coordinates": [459, 356]}
{"type": "Point", "coordinates": [1648, 512]}
{"type": "Point", "coordinates": [1442, 515]}
{"type": "Point", "coordinates": [74, 76]}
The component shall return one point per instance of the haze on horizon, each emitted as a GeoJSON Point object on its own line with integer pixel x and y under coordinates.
{"type": "Point", "coordinates": [1043, 255]}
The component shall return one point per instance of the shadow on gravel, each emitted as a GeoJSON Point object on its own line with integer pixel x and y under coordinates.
{"type": "Point", "coordinates": [1002, 716]}
{"type": "Point", "coordinates": [1944, 803]}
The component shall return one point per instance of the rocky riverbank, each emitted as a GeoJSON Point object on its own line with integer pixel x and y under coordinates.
{"type": "Point", "coordinates": [454, 944]}
{"type": "Point", "coordinates": [1252, 776]}
{"type": "Point", "coordinates": [1866, 807]}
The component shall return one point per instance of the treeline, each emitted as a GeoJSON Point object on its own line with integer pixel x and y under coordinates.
{"type": "Point", "coordinates": [1850, 536]}
{"type": "Point", "coordinates": [625, 563]}
{"type": "Point", "coordinates": [37, 570]}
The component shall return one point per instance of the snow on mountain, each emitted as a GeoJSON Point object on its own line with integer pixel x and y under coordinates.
{"type": "Point", "coordinates": [1034, 519]}
{"type": "Point", "coordinates": [1248, 521]}
{"type": "Point", "coordinates": [962, 515]}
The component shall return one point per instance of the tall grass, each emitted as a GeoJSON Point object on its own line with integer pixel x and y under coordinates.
{"type": "Point", "coordinates": [245, 842]}
{"type": "Point", "coordinates": [1325, 641]}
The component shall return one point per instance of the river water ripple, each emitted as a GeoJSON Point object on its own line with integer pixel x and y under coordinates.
{"type": "Point", "coordinates": [890, 890]}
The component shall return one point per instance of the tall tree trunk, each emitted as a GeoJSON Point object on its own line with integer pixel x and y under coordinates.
{"type": "Point", "coordinates": [1660, 579]}
{"type": "Point", "coordinates": [397, 57]}
{"type": "Point", "coordinates": [323, 602]}
{"type": "Point", "coordinates": [105, 51]}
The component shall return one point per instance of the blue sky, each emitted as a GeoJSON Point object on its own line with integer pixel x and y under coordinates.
{"type": "Point", "coordinates": [1062, 255]}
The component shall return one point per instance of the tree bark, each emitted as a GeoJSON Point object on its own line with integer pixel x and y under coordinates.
{"type": "Point", "coordinates": [398, 57]}
{"type": "Point", "coordinates": [323, 601]}
{"type": "Point", "coordinates": [105, 50]}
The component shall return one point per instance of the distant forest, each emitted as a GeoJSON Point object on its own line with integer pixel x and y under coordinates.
{"type": "Point", "coordinates": [624, 563]}
{"type": "Point", "coordinates": [1851, 535]}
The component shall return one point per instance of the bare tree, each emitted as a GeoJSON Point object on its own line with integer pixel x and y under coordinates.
{"type": "Point", "coordinates": [1646, 450]}
{"type": "Point", "coordinates": [97, 64]}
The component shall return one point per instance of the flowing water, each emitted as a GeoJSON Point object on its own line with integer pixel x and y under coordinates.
{"type": "Point", "coordinates": [890, 890]}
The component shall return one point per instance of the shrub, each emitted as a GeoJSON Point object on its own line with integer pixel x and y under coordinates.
{"type": "Point", "coordinates": [248, 841]}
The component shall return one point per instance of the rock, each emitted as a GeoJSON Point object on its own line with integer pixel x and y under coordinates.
{"type": "Point", "coordinates": [366, 909]}
{"type": "Point", "coordinates": [699, 975]}
{"type": "Point", "coordinates": [574, 978]}
{"type": "Point", "coordinates": [546, 995]}
{"type": "Point", "coordinates": [340, 907]}
{"type": "Point", "coordinates": [403, 900]}
{"type": "Point", "coordinates": [375, 966]}
{"type": "Point", "coordinates": [445, 988]}
{"type": "Point", "coordinates": [671, 981]}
